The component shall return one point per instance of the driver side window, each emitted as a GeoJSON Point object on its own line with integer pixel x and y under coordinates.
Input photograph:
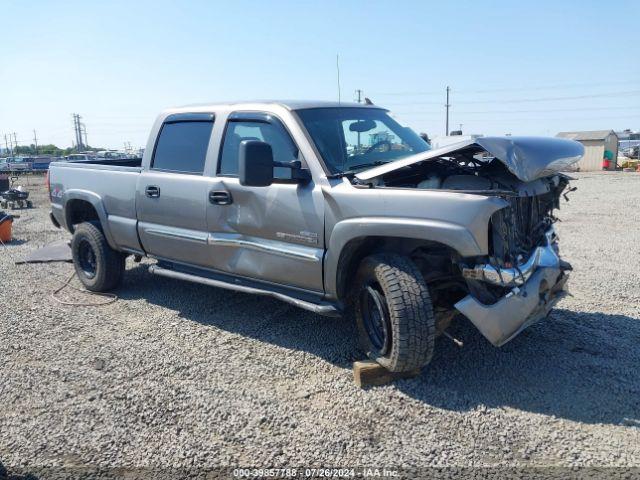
{"type": "Point", "coordinates": [281, 144]}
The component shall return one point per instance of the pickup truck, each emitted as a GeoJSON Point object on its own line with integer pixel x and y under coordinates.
{"type": "Point", "coordinates": [336, 208]}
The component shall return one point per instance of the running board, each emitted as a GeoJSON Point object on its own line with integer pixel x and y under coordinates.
{"type": "Point", "coordinates": [321, 309]}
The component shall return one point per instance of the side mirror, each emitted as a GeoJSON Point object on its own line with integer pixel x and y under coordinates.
{"type": "Point", "coordinates": [255, 164]}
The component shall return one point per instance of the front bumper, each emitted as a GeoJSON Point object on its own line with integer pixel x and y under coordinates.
{"type": "Point", "coordinates": [541, 288]}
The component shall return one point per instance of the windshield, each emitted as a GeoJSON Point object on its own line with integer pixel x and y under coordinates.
{"type": "Point", "coordinates": [359, 138]}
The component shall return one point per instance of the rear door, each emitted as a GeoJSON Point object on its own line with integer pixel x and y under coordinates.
{"type": "Point", "coordinates": [172, 193]}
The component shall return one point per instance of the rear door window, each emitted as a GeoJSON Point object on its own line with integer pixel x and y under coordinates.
{"type": "Point", "coordinates": [182, 147]}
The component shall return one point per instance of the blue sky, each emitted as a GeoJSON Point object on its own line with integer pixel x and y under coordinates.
{"type": "Point", "coordinates": [514, 67]}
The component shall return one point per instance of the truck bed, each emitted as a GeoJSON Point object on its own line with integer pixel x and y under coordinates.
{"type": "Point", "coordinates": [110, 187]}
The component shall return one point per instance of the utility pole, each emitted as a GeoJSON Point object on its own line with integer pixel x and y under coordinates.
{"type": "Point", "coordinates": [77, 127]}
{"type": "Point", "coordinates": [84, 131]}
{"type": "Point", "coordinates": [6, 145]}
{"type": "Point", "coordinates": [15, 143]}
{"type": "Point", "coordinates": [35, 141]}
{"type": "Point", "coordinates": [75, 130]}
{"type": "Point", "coordinates": [447, 105]}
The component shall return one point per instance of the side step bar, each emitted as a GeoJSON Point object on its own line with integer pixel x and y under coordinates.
{"type": "Point", "coordinates": [321, 309]}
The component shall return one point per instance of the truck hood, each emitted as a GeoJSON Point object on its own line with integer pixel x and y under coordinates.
{"type": "Point", "coordinates": [528, 158]}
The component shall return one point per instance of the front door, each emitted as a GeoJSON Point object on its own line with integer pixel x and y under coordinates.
{"type": "Point", "coordinates": [273, 233]}
{"type": "Point", "coordinates": [172, 194]}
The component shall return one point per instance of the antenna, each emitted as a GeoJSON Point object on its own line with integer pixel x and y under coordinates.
{"type": "Point", "coordinates": [447, 105]}
{"type": "Point", "coordinates": [338, 74]}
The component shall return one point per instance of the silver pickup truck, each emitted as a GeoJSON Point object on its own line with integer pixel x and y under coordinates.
{"type": "Point", "coordinates": [336, 208]}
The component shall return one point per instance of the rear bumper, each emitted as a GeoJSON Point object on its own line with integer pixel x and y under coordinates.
{"type": "Point", "coordinates": [539, 289]}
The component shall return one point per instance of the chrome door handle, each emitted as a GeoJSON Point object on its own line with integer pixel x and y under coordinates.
{"type": "Point", "coordinates": [220, 197]}
{"type": "Point", "coordinates": [152, 191]}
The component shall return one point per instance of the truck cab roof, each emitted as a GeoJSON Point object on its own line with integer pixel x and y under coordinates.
{"type": "Point", "coordinates": [268, 104]}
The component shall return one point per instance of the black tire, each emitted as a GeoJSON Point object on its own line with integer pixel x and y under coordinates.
{"type": "Point", "coordinates": [98, 266]}
{"type": "Point", "coordinates": [401, 335]}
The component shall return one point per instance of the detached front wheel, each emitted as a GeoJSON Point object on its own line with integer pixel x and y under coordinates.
{"type": "Point", "coordinates": [393, 310]}
{"type": "Point", "coordinates": [98, 266]}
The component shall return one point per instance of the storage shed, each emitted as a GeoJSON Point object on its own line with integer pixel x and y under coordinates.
{"type": "Point", "coordinates": [599, 145]}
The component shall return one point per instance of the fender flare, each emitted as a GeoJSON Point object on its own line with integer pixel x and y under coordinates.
{"type": "Point", "coordinates": [96, 201]}
{"type": "Point", "coordinates": [455, 236]}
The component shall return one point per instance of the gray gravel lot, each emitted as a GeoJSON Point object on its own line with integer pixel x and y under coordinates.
{"type": "Point", "coordinates": [182, 375]}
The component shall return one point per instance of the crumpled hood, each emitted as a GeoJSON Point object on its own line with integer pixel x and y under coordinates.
{"type": "Point", "coordinates": [528, 158]}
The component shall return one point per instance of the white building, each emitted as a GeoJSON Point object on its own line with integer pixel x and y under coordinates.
{"type": "Point", "coordinates": [599, 145]}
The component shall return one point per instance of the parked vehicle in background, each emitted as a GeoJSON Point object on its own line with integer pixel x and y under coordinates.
{"type": "Point", "coordinates": [19, 164]}
{"type": "Point", "coordinates": [335, 208]}
{"type": "Point", "coordinates": [78, 157]}
{"type": "Point", "coordinates": [633, 152]}
{"type": "Point", "coordinates": [111, 154]}
{"type": "Point", "coordinates": [4, 165]}
{"type": "Point", "coordinates": [42, 163]}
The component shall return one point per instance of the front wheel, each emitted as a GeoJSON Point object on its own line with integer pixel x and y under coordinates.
{"type": "Point", "coordinates": [393, 310]}
{"type": "Point", "coordinates": [98, 266]}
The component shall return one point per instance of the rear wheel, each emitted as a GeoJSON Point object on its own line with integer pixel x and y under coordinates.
{"type": "Point", "coordinates": [98, 266]}
{"type": "Point", "coordinates": [394, 314]}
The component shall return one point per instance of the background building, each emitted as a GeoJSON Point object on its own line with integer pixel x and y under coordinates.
{"type": "Point", "coordinates": [598, 146]}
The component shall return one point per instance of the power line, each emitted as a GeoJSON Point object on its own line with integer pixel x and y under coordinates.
{"type": "Point", "coordinates": [552, 110]}
{"type": "Point", "coordinates": [512, 89]}
{"type": "Point", "coordinates": [525, 119]}
{"type": "Point", "coordinates": [528, 100]}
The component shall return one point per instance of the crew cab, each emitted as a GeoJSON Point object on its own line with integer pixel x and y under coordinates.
{"type": "Point", "coordinates": [336, 208]}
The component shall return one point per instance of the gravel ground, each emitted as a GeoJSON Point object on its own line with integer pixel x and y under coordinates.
{"type": "Point", "coordinates": [177, 375]}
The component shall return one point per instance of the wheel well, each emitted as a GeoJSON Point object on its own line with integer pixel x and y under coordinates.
{"type": "Point", "coordinates": [357, 249]}
{"type": "Point", "coordinates": [79, 211]}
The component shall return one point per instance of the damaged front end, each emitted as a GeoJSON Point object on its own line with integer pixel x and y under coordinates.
{"type": "Point", "coordinates": [503, 301]}
{"type": "Point", "coordinates": [522, 276]}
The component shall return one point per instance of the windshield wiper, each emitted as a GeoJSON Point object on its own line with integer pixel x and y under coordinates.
{"type": "Point", "coordinates": [353, 170]}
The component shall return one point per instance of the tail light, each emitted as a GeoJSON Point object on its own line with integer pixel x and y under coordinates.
{"type": "Point", "coordinates": [47, 182]}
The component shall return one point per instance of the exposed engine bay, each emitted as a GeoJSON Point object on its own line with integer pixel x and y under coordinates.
{"type": "Point", "coordinates": [521, 276]}
{"type": "Point", "coordinates": [514, 231]}
{"type": "Point", "coordinates": [521, 235]}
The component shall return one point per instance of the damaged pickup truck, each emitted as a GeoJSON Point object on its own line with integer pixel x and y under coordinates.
{"type": "Point", "coordinates": [335, 208]}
